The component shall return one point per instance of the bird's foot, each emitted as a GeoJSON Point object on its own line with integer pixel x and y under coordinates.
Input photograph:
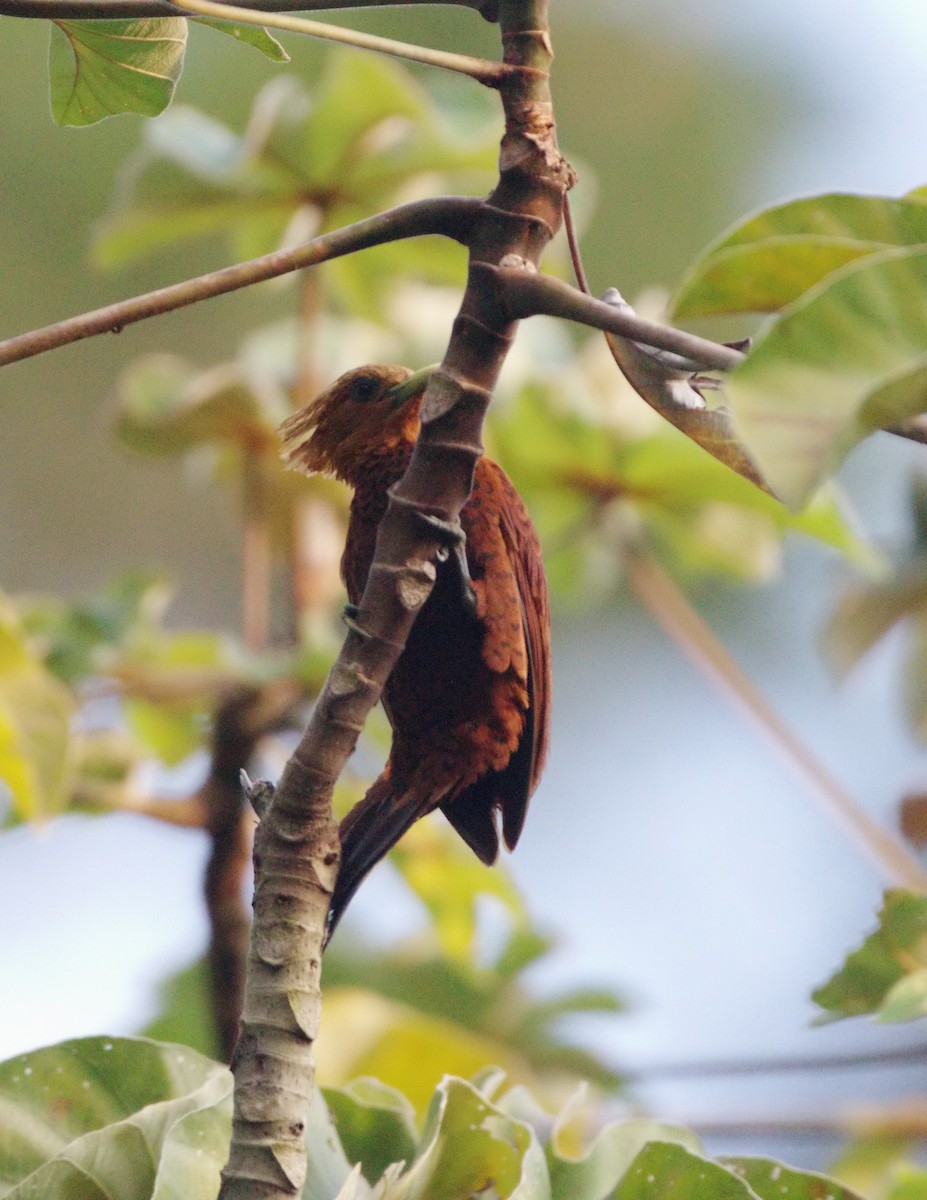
{"type": "Point", "coordinates": [454, 551]}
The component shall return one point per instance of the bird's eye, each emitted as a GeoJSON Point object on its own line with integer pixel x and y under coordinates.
{"type": "Point", "coordinates": [364, 388]}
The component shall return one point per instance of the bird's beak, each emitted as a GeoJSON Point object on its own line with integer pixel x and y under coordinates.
{"type": "Point", "coordinates": [400, 393]}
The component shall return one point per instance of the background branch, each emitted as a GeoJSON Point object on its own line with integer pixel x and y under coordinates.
{"type": "Point", "coordinates": [675, 615]}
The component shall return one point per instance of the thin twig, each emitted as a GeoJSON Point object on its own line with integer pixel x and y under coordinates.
{"type": "Point", "coordinates": [675, 615]}
{"type": "Point", "coordinates": [573, 242]}
{"type": "Point", "coordinates": [526, 293]}
{"type": "Point", "coordinates": [484, 71]}
{"type": "Point", "coordinates": [87, 10]}
{"type": "Point", "coordinates": [448, 216]}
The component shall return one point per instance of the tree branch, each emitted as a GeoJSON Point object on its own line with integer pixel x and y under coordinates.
{"type": "Point", "coordinates": [488, 73]}
{"type": "Point", "coordinates": [86, 10]}
{"type": "Point", "coordinates": [296, 845]}
{"type": "Point", "coordinates": [448, 216]}
{"type": "Point", "coordinates": [525, 293]}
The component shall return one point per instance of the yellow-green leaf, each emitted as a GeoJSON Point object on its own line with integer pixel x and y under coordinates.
{"type": "Point", "coordinates": [770, 259]}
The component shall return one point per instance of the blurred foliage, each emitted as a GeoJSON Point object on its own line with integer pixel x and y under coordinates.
{"type": "Point", "coordinates": [368, 137]}
{"type": "Point", "coordinates": [868, 611]}
{"type": "Point", "coordinates": [887, 975]}
{"type": "Point", "coordinates": [844, 357]}
{"type": "Point", "coordinates": [879, 1167]}
{"type": "Point", "coordinates": [35, 715]}
{"type": "Point", "coordinates": [129, 1119]}
{"type": "Point", "coordinates": [410, 1013]}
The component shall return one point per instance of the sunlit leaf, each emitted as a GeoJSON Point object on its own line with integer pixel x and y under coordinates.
{"type": "Point", "coordinates": [847, 358]}
{"type": "Point", "coordinates": [896, 952]}
{"type": "Point", "coordinates": [98, 68]}
{"type": "Point", "coordinates": [772, 258]}
{"type": "Point", "coordinates": [872, 1165]}
{"type": "Point", "coordinates": [248, 35]}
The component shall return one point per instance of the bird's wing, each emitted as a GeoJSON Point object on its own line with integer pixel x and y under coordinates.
{"type": "Point", "coordinates": [505, 558]}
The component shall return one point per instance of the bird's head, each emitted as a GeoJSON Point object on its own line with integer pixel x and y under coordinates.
{"type": "Point", "coordinates": [364, 415]}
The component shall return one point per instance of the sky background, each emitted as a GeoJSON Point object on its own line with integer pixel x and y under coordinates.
{"type": "Point", "coordinates": [676, 857]}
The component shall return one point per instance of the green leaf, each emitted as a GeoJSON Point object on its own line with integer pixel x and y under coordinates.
{"type": "Point", "coordinates": [895, 952]}
{"type": "Point", "coordinates": [673, 1173]}
{"type": "Point", "coordinates": [470, 1146]}
{"type": "Point", "coordinates": [107, 1117]}
{"type": "Point", "coordinates": [248, 35]}
{"type": "Point", "coordinates": [376, 1125]}
{"type": "Point", "coordinates": [35, 718]}
{"type": "Point", "coordinates": [771, 1180]}
{"type": "Point", "coordinates": [770, 259]}
{"type": "Point", "coordinates": [99, 68]}
{"type": "Point", "coordinates": [848, 358]}
{"type": "Point", "coordinates": [598, 1172]}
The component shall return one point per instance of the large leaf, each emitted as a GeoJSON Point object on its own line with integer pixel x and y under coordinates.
{"type": "Point", "coordinates": [114, 1118]}
{"type": "Point", "coordinates": [35, 716]}
{"type": "Point", "coordinates": [770, 259]}
{"type": "Point", "coordinates": [846, 359]}
{"type": "Point", "coordinates": [98, 68]}
{"type": "Point", "coordinates": [887, 975]}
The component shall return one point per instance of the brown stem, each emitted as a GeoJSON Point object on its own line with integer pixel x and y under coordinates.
{"type": "Point", "coordinates": [296, 847]}
{"type": "Point", "coordinates": [449, 216]}
{"type": "Point", "coordinates": [241, 720]}
{"type": "Point", "coordinates": [255, 572]}
{"type": "Point", "coordinates": [675, 615]}
{"type": "Point", "coordinates": [64, 10]}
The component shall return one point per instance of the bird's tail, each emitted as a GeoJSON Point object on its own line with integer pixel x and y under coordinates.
{"type": "Point", "coordinates": [368, 832]}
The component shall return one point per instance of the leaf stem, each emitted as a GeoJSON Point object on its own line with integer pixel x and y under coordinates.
{"type": "Point", "coordinates": [672, 611]}
{"type": "Point", "coordinates": [484, 71]}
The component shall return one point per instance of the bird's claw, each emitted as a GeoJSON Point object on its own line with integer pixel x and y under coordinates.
{"type": "Point", "coordinates": [455, 550]}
